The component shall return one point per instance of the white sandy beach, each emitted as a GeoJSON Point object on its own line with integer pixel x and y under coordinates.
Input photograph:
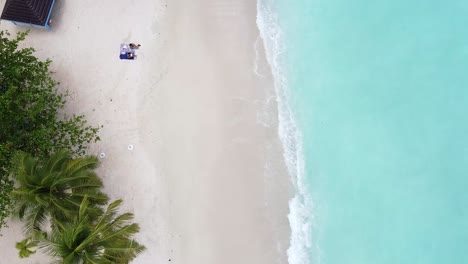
{"type": "Point", "coordinates": [205, 178]}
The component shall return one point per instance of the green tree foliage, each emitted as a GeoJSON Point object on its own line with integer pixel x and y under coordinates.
{"type": "Point", "coordinates": [104, 240]}
{"type": "Point", "coordinates": [54, 189]}
{"type": "Point", "coordinates": [31, 113]}
{"type": "Point", "coordinates": [25, 247]}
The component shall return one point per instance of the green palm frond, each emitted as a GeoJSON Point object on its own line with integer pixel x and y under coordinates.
{"type": "Point", "coordinates": [109, 214]}
{"type": "Point", "coordinates": [89, 183]}
{"type": "Point", "coordinates": [121, 250]}
{"type": "Point", "coordinates": [107, 239]}
{"type": "Point", "coordinates": [124, 232]}
{"type": "Point", "coordinates": [83, 208]}
{"type": "Point", "coordinates": [79, 165]}
{"type": "Point", "coordinates": [94, 195]}
{"type": "Point", "coordinates": [56, 186]}
{"type": "Point", "coordinates": [66, 194]}
{"type": "Point", "coordinates": [57, 162]}
{"type": "Point", "coordinates": [25, 247]}
{"type": "Point", "coordinates": [35, 219]}
{"type": "Point", "coordinates": [93, 259]}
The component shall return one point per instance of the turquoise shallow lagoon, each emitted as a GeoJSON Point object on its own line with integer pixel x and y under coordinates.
{"type": "Point", "coordinates": [376, 94]}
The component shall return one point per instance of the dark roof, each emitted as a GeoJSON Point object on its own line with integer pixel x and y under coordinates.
{"type": "Point", "coordinates": [27, 11]}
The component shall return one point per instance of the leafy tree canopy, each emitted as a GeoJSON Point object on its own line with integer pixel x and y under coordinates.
{"type": "Point", "coordinates": [31, 113]}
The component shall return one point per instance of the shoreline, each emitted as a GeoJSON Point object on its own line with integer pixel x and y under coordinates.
{"type": "Point", "coordinates": [206, 172]}
{"type": "Point", "coordinates": [219, 100]}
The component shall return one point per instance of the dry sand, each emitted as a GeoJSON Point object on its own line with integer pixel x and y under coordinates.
{"type": "Point", "coordinates": [205, 178]}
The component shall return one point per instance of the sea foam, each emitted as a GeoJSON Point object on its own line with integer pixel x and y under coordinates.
{"type": "Point", "coordinates": [300, 206]}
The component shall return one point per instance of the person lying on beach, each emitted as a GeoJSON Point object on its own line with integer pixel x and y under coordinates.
{"type": "Point", "coordinates": [131, 55]}
{"type": "Point", "coordinates": [134, 46]}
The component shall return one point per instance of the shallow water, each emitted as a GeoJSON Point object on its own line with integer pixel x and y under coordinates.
{"type": "Point", "coordinates": [373, 101]}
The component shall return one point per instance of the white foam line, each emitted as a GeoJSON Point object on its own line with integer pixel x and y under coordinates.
{"type": "Point", "coordinates": [300, 206]}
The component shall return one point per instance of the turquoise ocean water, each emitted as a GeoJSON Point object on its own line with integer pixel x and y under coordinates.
{"type": "Point", "coordinates": [373, 111]}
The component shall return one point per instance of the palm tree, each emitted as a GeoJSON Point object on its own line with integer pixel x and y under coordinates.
{"type": "Point", "coordinates": [105, 240]}
{"type": "Point", "coordinates": [55, 188]}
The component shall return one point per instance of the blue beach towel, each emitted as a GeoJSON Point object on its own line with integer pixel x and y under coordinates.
{"type": "Point", "coordinates": [124, 49]}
